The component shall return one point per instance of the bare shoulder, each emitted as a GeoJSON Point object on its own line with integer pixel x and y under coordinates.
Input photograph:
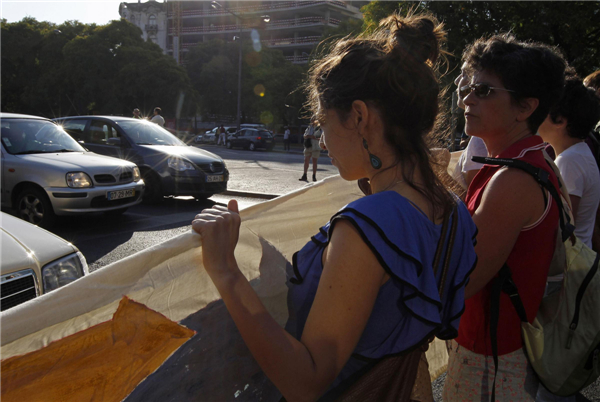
{"type": "Point", "coordinates": [347, 252]}
{"type": "Point", "coordinates": [515, 194]}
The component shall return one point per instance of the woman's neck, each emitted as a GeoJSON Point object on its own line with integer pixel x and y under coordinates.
{"type": "Point", "coordinates": [386, 180]}
{"type": "Point", "coordinates": [497, 145]}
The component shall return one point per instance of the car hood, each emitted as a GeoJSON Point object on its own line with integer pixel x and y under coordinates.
{"type": "Point", "coordinates": [193, 154]}
{"type": "Point", "coordinates": [25, 245]}
{"type": "Point", "coordinates": [72, 161]}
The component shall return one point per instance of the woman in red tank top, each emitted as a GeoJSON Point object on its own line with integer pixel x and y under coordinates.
{"type": "Point", "coordinates": [513, 85]}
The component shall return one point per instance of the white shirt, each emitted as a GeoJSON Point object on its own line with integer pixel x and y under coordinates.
{"type": "Point", "coordinates": [580, 173]}
{"type": "Point", "coordinates": [158, 119]}
{"type": "Point", "coordinates": [286, 134]}
{"type": "Point", "coordinates": [476, 147]}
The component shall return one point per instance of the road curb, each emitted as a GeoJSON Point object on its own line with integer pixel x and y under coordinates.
{"type": "Point", "coordinates": [250, 194]}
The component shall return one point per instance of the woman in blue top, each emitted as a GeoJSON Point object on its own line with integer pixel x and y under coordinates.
{"type": "Point", "coordinates": [363, 287]}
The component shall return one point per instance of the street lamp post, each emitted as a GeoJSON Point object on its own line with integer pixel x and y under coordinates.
{"type": "Point", "coordinates": [266, 18]}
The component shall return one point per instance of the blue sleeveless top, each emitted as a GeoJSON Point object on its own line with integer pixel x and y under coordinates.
{"type": "Point", "coordinates": [408, 309]}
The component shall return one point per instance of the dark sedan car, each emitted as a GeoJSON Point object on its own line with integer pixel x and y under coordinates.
{"type": "Point", "coordinates": [168, 166]}
{"type": "Point", "coordinates": [252, 139]}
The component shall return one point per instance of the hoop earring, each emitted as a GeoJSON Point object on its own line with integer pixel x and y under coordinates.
{"type": "Point", "coordinates": [375, 161]}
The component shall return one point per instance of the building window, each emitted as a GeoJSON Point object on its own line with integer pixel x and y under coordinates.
{"type": "Point", "coordinates": [152, 19]}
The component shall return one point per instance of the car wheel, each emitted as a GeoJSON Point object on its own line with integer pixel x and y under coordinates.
{"type": "Point", "coordinates": [116, 212]}
{"type": "Point", "coordinates": [229, 145]}
{"type": "Point", "coordinates": [34, 207]}
{"type": "Point", "coordinates": [252, 147]}
{"type": "Point", "coordinates": [153, 190]}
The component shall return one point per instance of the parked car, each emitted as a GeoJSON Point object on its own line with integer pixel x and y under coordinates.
{"type": "Point", "coordinates": [45, 173]}
{"type": "Point", "coordinates": [211, 137]}
{"type": "Point", "coordinates": [168, 165]}
{"type": "Point", "coordinates": [252, 139]}
{"type": "Point", "coordinates": [34, 261]}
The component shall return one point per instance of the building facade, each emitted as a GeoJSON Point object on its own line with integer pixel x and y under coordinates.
{"type": "Point", "coordinates": [294, 27]}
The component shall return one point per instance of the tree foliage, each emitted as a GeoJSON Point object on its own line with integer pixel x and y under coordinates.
{"type": "Point", "coordinates": [267, 81]}
{"type": "Point", "coordinates": [572, 26]}
{"type": "Point", "coordinates": [73, 68]}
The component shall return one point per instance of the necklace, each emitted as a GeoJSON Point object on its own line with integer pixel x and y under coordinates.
{"type": "Point", "coordinates": [392, 185]}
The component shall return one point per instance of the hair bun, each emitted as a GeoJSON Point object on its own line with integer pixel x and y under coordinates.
{"type": "Point", "coordinates": [414, 37]}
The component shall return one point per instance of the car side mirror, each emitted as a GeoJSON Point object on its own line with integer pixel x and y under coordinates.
{"type": "Point", "coordinates": [81, 142]}
{"type": "Point", "coordinates": [113, 141]}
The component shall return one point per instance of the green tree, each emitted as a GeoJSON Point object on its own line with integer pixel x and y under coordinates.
{"type": "Point", "coordinates": [267, 81]}
{"type": "Point", "coordinates": [573, 26]}
{"type": "Point", "coordinates": [74, 68]}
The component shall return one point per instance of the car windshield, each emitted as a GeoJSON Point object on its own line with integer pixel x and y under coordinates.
{"type": "Point", "coordinates": [147, 133]}
{"type": "Point", "coordinates": [32, 136]}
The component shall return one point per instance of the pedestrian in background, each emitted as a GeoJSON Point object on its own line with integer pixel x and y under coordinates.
{"type": "Point", "coordinates": [566, 129]}
{"type": "Point", "coordinates": [157, 118]}
{"type": "Point", "coordinates": [286, 139]}
{"type": "Point", "coordinates": [465, 168]}
{"type": "Point", "coordinates": [136, 113]}
{"type": "Point", "coordinates": [312, 150]}
{"type": "Point", "coordinates": [221, 132]}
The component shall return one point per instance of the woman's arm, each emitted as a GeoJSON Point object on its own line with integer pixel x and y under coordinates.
{"type": "Point", "coordinates": [511, 201]}
{"type": "Point", "coordinates": [301, 370]}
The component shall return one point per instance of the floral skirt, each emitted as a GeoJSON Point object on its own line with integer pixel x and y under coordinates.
{"type": "Point", "coordinates": [470, 376]}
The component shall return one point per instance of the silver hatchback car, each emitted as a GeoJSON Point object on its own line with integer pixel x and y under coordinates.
{"type": "Point", "coordinates": [46, 173]}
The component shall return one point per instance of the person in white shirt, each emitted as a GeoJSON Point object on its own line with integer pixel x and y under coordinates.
{"type": "Point", "coordinates": [465, 168]}
{"type": "Point", "coordinates": [566, 128]}
{"type": "Point", "coordinates": [157, 118]}
{"type": "Point", "coordinates": [286, 139]}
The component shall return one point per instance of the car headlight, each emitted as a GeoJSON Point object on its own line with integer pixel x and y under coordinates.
{"type": "Point", "coordinates": [64, 271]}
{"type": "Point", "coordinates": [179, 164]}
{"type": "Point", "coordinates": [78, 180]}
{"type": "Point", "coordinates": [136, 174]}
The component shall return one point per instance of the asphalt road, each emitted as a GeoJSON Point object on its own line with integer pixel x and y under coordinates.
{"type": "Point", "coordinates": [268, 172]}
{"type": "Point", "coordinates": [104, 239]}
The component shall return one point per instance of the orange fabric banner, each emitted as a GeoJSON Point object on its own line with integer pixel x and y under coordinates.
{"type": "Point", "coordinates": [102, 363]}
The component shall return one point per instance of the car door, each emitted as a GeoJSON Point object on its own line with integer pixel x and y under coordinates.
{"type": "Point", "coordinates": [5, 195]}
{"type": "Point", "coordinates": [76, 128]}
{"type": "Point", "coordinates": [236, 139]}
{"type": "Point", "coordinates": [247, 138]}
{"type": "Point", "coordinates": [104, 139]}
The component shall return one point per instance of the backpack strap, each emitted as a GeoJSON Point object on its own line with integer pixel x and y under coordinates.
{"type": "Point", "coordinates": [543, 179]}
{"type": "Point", "coordinates": [503, 283]}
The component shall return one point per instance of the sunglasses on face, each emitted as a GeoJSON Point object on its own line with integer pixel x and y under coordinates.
{"type": "Point", "coordinates": [480, 90]}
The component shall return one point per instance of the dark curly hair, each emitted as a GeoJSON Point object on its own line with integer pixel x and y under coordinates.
{"type": "Point", "coordinates": [395, 70]}
{"type": "Point", "coordinates": [531, 69]}
{"type": "Point", "coordinates": [580, 106]}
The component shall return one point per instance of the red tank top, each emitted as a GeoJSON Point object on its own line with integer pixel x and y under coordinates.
{"type": "Point", "coordinates": [529, 262]}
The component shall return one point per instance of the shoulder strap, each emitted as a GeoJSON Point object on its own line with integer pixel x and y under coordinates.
{"type": "Point", "coordinates": [503, 283]}
{"type": "Point", "coordinates": [543, 178]}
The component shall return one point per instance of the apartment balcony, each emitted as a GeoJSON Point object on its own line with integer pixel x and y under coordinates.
{"type": "Point", "coordinates": [273, 6]}
{"type": "Point", "coordinates": [287, 42]}
{"type": "Point", "coordinates": [151, 28]}
{"type": "Point", "coordinates": [275, 43]}
{"type": "Point", "coordinates": [297, 59]}
{"type": "Point", "coordinates": [273, 25]}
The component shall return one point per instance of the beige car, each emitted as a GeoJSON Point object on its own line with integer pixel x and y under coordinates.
{"type": "Point", "coordinates": [34, 261]}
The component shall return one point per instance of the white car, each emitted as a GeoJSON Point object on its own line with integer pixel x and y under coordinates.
{"type": "Point", "coordinates": [34, 261]}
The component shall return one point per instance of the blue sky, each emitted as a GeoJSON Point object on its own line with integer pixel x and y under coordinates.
{"type": "Point", "coordinates": [58, 11]}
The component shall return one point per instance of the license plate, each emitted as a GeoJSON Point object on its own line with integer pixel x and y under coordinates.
{"type": "Point", "coordinates": [211, 178]}
{"type": "Point", "coordinates": [117, 195]}
{"type": "Point", "coordinates": [269, 141]}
